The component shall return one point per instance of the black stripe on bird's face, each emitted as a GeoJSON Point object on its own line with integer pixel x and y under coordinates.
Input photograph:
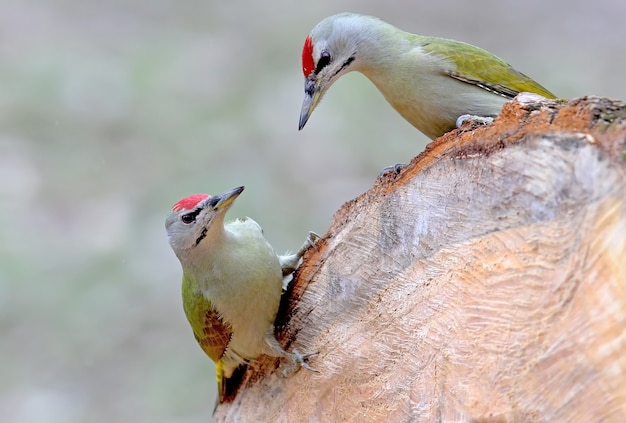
{"type": "Point", "coordinates": [201, 237]}
{"type": "Point", "coordinates": [345, 65]}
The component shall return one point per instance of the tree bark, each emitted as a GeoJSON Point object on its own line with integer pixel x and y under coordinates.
{"type": "Point", "coordinates": [486, 282]}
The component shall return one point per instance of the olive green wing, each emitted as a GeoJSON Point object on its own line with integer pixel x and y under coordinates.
{"type": "Point", "coordinates": [481, 68]}
{"type": "Point", "coordinates": [210, 331]}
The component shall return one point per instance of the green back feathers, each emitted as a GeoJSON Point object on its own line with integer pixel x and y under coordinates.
{"type": "Point", "coordinates": [481, 68]}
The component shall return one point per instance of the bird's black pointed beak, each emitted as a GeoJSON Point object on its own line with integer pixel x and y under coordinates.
{"type": "Point", "coordinates": [312, 94]}
{"type": "Point", "coordinates": [223, 201]}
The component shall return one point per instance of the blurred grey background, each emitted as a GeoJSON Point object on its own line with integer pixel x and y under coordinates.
{"type": "Point", "coordinates": [112, 111]}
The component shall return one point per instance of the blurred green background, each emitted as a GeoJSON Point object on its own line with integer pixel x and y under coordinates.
{"type": "Point", "coordinates": [112, 111]}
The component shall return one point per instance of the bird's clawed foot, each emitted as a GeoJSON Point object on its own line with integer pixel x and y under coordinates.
{"type": "Point", "coordinates": [311, 241]}
{"type": "Point", "coordinates": [298, 360]}
{"type": "Point", "coordinates": [289, 263]}
{"type": "Point", "coordinates": [473, 118]}
{"type": "Point", "coordinates": [397, 168]}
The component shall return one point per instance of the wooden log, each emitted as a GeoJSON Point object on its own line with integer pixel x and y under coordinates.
{"type": "Point", "coordinates": [484, 283]}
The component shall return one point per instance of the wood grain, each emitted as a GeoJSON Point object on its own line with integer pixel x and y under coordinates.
{"type": "Point", "coordinates": [486, 283]}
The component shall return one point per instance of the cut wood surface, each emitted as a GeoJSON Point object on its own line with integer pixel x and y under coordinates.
{"type": "Point", "coordinates": [484, 283]}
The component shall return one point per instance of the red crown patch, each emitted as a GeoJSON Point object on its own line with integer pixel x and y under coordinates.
{"type": "Point", "coordinates": [188, 203]}
{"type": "Point", "coordinates": [308, 64]}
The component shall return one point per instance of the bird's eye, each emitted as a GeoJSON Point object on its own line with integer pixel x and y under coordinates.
{"type": "Point", "coordinates": [191, 216]}
{"type": "Point", "coordinates": [188, 218]}
{"type": "Point", "coordinates": [324, 60]}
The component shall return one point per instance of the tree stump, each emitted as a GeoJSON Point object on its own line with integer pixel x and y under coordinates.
{"type": "Point", "coordinates": [484, 283]}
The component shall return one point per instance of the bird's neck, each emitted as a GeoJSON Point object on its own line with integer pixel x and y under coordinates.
{"type": "Point", "coordinates": [388, 57]}
{"type": "Point", "coordinates": [202, 260]}
{"type": "Point", "coordinates": [405, 74]}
